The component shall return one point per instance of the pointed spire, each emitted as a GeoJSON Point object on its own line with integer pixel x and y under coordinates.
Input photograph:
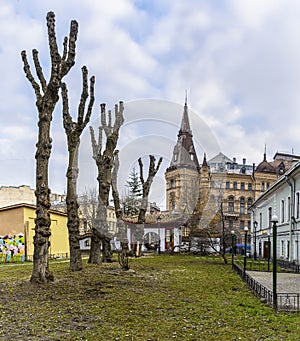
{"type": "Point", "coordinates": [185, 123]}
{"type": "Point", "coordinates": [204, 163]}
{"type": "Point", "coordinates": [265, 153]}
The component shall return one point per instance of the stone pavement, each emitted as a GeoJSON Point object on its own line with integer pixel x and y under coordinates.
{"type": "Point", "coordinates": [286, 282]}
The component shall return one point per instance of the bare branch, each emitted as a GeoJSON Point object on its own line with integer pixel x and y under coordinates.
{"type": "Point", "coordinates": [65, 48]}
{"type": "Point", "coordinates": [67, 119]}
{"type": "Point", "coordinates": [54, 54]}
{"type": "Point", "coordinates": [30, 77]}
{"type": "Point", "coordinates": [141, 171]}
{"type": "Point", "coordinates": [84, 95]}
{"type": "Point", "coordinates": [39, 70]}
{"type": "Point", "coordinates": [95, 147]}
{"type": "Point", "coordinates": [72, 47]}
{"type": "Point", "coordinates": [119, 118]}
{"type": "Point", "coordinates": [91, 102]}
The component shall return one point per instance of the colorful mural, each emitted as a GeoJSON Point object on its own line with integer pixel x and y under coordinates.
{"type": "Point", "coordinates": [12, 248]}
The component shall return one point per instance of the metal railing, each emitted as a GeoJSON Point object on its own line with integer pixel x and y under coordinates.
{"type": "Point", "coordinates": [285, 301]}
{"type": "Point", "coordinates": [289, 265]}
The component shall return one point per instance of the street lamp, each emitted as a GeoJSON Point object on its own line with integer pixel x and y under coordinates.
{"type": "Point", "coordinates": [232, 247]}
{"type": "Point", "coordinates": [269, 249]}
{"type": "Point", "coordinates": [245, 250]}
{"type": "Point", "coordinates": [158, 225]}
{"type": "Point", "coordinates": [274, 221]}
{"type": "Point", "coordinates": [255, 226]}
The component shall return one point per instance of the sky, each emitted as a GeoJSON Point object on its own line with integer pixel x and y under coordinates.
{"type": "Point", "coordinates": [237, 60]}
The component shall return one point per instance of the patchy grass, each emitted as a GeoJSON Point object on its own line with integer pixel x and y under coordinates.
{"type": "Point", "coordinates": [160, 298]}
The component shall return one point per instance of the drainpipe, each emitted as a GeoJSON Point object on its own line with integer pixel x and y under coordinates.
{"type": "Point", "coordinates": [292, 214]}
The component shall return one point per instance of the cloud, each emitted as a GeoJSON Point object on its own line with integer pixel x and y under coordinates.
{"type": "Point", "coordinates": [239, 61]}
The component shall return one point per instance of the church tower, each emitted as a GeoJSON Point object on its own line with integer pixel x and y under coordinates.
{"type": "Point", "coordinates": [182, 176]}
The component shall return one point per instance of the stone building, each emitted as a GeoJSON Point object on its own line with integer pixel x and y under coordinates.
{"type": "Point", "coordinates": [219, 187]}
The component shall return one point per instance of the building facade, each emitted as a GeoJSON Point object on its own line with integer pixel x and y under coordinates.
{"type": "Point", "coordinates": [219, 186]}
{"type": "Point", "coordinates": [282, 199]}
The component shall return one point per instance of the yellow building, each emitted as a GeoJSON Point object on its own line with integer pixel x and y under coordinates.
{"type": "Point", "coordinates": [19, 220]}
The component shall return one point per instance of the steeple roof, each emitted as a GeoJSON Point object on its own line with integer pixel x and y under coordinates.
{"type": "Point", "coordinates": [185, 122]}
{"type": "Point", "coordinates": [184, 153]}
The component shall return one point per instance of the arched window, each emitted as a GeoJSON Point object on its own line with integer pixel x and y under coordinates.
{"type": "Point", "coordinates": [231, 204]}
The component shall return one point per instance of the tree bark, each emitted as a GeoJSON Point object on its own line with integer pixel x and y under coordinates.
{"type": "Point", "coordinates": [46, 99]}
{"type": "Point", "coordinates": [73, 131]}
{"type": "Point", "coordinates": [104, 163]}
{"type": "Point", "coordinates": [123, 254]}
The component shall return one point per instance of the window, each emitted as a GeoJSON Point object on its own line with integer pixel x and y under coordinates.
{"type": "Point", "coordinates": [289, 209]}
{"type": "Point", "coordinates": [260, 220]}
{"type": "Point", "coordinates": [242, 205]}
{"type": "Point", "coordinates": [282, 210]}
{"type": "Point", "coordinates": [268, 185]}
{"type": "Point", "coordinates": [242, 185]}
{"type": "Point", "coordinates": [230, 224]}
{"type": "Point", "coordinates": [242, 224]}
{"type": "Point", "coordinates": [172, 183]}
{"type": "Point", "coordinates": [235, 185]}
{"type": "Point", "coordinates": [262, 186]}
{"type": "Point", "coordinates": [249, 186]}
{"type": "Point", "coordinates": [227, 184]}
{"type": "Point", "coordinates": [87, 242]}
{"type": "Point", "coordinates": [282, 248]}
{"type": "Point", "coordinates": [249, 203]}
{"type": "Point", "coordinates": [231, 204]}
{"type": "Point", "coordinates": [297, 205]}
{"type": "Point", "coordinates": [270, 217]}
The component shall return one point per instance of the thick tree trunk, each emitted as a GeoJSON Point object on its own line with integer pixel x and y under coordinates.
{"type": "Point", "coordinates": [95, 254]}
{"type": "Point", "coordinates": [104, 161]}
{"type": "Point", "coordinates": [41, 273]}
{"type": "Point", "coordinates": [73, 131]}
{"type": "Point", "coordinates": [72, 209]}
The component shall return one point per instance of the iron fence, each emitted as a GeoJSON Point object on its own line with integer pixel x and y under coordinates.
{"type": "Point", "coordinates": [285, 301]}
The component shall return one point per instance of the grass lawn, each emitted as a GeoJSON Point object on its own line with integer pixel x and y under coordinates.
{"type": "Point", "coordinates": [160, 298]}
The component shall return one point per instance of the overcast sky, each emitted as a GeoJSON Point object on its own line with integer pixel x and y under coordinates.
{"type": "Point", "coordinates": [239, 61]}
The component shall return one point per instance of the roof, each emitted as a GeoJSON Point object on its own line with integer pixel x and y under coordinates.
{"type": "Point", "coordinates": [277, 183]}
{"type": "Point", "coordinates": [220, 158]}
{"type": "Point", "coordinates": [24, 205]}
{"type": "Point", "coordinates": [184, 153]}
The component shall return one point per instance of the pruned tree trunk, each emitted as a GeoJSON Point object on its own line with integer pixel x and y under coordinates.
{"type": "Point", "coordinates": [143, 208]}
{"type": "Point", "coordinates": [73, 131]}
{"type": "Point", "coordinates": [46, 99]}
{"type": "Point", "coordinates": [123, 254]}
{"type": "Point", "coordinates": [104, 162]}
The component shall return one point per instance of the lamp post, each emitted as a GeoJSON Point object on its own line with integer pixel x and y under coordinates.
{"type": "Point", "coordinates": [269, 249]}
{"type": "Point", "coordinates": [245, 250]}
{"type": "Point", "coordinates": [158, 227]}
{"type": "Point", "coordinates": [232, 247]}
{"type": "Point", "coordinates": [255, 226]}
{"type": "Point", "coordinates": [274, 221]}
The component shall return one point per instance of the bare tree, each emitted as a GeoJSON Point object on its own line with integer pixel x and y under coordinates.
{"type": "Point", "coordinates": [88, 203]}
{"type": "Point", "coordinates": [47, 95]}
{"type": "Point", "coordinates": [146, 185]}
{"type": "Point", "coordinates": [123, 254]}
{"type": "Point", "coordinates": [104, 161]}
{"type": "Point", "coordinates": [73, 131]}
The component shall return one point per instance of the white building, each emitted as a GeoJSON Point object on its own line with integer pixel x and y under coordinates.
{"type": "Point", "coordinates": [283, 200]}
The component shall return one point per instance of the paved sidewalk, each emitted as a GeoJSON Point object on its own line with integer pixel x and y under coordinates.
{"type": "Point", "coordinates": [286, 282]}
